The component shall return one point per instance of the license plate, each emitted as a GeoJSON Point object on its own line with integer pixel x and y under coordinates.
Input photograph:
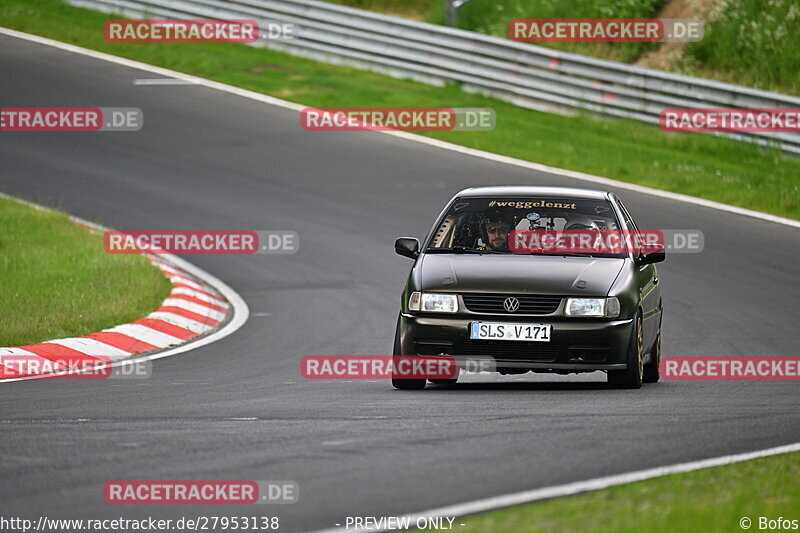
{"type": "Point", "coordinates": [501, 331]}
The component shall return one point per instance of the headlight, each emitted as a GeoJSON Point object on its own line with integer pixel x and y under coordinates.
{"type": "Point", "coordinates": [433, 302]}
{"type": "Point", "coordinates": [596, 307]}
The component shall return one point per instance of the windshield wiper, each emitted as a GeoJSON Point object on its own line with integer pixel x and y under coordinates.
{"type": "Point", "coordinates": [460, 250]}
{"type": "Point", "coordinates": [570, 254]}
{"type": "Point", "coordinates": [466, 250]}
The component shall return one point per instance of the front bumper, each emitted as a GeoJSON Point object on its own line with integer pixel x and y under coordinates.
{"type": "Point", "coordinates": [576, 345]}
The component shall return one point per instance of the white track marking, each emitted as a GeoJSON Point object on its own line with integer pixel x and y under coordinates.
{"type": "Point", "coordinates": [193, 307]}
{"type": "Point", "coordinates": [142, 333]}
{"type": "Point", "coordinates": [205, 291]}
{"type": "Point", "coordinates": [16, 351]}
{"type": "Point", "coordinates": [186, 281]}
{"type": "Point", "coordinates": [570, 489]}
{"type": "Point", "coordinates": [200, 296]}
{"type": "Point", "coordinates": [169, 271]}
{"type": "Point", "coordinates": [408, 136]}
{"type": "Point", "coordinates": [162, 81]}
{"type": "Point", "coordinates": [180, 321]}
{"type": "Point", "coordinates": [156, 261]}
{"type": "Point", "coordinates": [91, 347]}
{"type": "Point", "coordinates": [21, 359]}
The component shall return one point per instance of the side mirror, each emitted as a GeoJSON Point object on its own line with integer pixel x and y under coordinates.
{"type": "Point", "coordinates": [656, 255]}
{"type": "Point", "coordinates": [407, 247]}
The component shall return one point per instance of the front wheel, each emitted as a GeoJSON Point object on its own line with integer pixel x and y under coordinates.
{"type": "Point", "coordinates": [652, 370]}
{"type": "Point", "coordinates": [631, 377]}
{"type": "Point", "coordinates": [399, 382]}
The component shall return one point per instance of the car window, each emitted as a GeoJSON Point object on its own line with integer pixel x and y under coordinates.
{"type": "Point", "coordinates": [470, 224]}
{"type": "Point", "coordinates": [629, 222]}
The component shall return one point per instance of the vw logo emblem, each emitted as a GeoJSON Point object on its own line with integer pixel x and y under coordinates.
{"type": "Point", "coordinates": [511, 304]}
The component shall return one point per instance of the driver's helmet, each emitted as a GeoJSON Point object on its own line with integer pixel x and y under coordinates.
{"type": "Point", "coordinates": [497, 217]}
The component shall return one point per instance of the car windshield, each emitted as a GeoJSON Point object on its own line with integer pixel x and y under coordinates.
{"type": "Point", "coordinates": [498, 225]}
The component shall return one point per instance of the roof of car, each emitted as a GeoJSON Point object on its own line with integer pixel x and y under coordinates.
{"type": "Point", "coordinates": [522, 190]}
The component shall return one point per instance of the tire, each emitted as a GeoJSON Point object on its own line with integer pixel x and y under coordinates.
{"type": "Point", "coordinates": [631, 377]}
{"type": "Point", "coordinates": [401, 383]}
{"type": "Point", "coordinates": [652, 370]}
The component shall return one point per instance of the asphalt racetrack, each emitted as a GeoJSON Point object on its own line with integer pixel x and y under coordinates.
{"type": "Point", "coordinates": [210, 160]}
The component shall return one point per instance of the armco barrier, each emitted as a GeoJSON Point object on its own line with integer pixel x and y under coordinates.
{"type": "Point", "coordinates": [521, 73]}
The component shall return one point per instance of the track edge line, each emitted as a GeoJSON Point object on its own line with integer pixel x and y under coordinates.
{"type": "Point", "coordinates": [580, 487]}
{"type": "Point", "coordinates": [498, 158]}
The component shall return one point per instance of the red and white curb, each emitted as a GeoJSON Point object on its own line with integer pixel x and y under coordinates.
{"type": "Point", "coordinates": [199, 305]}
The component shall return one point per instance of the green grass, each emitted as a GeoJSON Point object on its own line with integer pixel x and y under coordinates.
{"type": "Point", "coordinates": [748, 42]}
{"type": "Point", "coordinates": [492, 17]}
{"type": "Point", "coordinates": [423, 10]}
{"type": "Point", "coordinates": [753, 43]}
{"type": "Point", "coordinates": [56, 280]}
{"type": "Point", "coordinates": [703, 501]}
{"type": "Point", "coordinates": [701, 165]}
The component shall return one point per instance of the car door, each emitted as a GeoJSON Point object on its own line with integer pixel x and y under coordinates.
{"type": "Point", "coordinates": [649, 289]}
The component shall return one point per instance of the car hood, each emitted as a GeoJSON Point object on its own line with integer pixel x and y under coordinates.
{"type": "Point", "coordinates": [489, 273]}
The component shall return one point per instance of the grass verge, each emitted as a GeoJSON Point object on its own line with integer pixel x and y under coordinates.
{"type": "Point", "coordinates": [746, 42]}
{"type": "Point", "coordinates": [714, 499]}
{"type": "Point", "coordinates": [696, 164]}
{"type": "Point", "coordinates": [58, 281]}
{"type": "Point", "coordinates": [751, 43]}
{"type": "Point", "coordinates": [492, 18]}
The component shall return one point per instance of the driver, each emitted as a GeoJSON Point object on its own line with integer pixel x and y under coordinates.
{"type": "Point", "coordinates": [494, 231]}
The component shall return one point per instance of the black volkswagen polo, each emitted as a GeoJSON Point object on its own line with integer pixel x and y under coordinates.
{"type": "Point", "coordinates": [474, 294]}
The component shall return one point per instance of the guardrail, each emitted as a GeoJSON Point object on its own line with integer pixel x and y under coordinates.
{"type": "Point", "coordinates": [521, 73]}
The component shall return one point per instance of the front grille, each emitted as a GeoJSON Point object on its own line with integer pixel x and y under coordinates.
{"type": "Point", "coordinates": [543, 352]}
{"type": "Point", "coordinates": [528, 304]}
